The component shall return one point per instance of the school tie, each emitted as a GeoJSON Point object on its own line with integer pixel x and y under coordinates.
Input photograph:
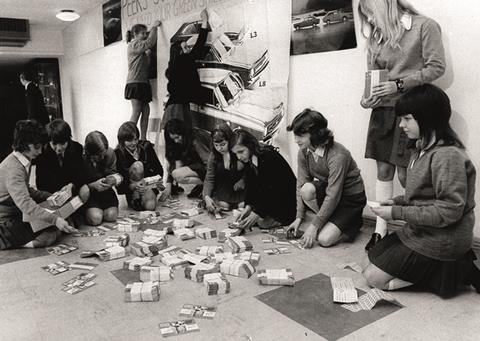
{"type": "Point", "coordinates": [60, 160]}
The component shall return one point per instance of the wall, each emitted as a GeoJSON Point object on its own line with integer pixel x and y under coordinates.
{"type": "Point", "coordinates": [333, 83]}
{"type": "Point", "coordinates": [44, 42]}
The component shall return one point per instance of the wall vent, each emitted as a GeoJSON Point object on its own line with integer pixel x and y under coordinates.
{"type": "Point", "coordinates": [14, 32]}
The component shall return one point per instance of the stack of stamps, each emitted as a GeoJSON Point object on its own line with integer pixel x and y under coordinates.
{"type": "Point", "coordinates": [136, 263]}
{"type": "Point", "coordinates": [79, 283]}
{"type": "Point", "coordinates": [184, 234]}
{"type": "Point", "coordinates": [216, 284]}
{"type": "Point", "coordinates": [209, 251]}
{"type": "Point", "coordinates": [237, 267]}
{"type": "Point", "coordinates": [57, 268]}
{"type": "Point", "coordinates": [197, 272]}
{"type": "Point", "coordinates": [199, 311]}
{"type": "Point", "coordinates": [227, 233]}
{"type": "Point", "coordinates": [276, 277]}
{"type": "Point", "coordinates": [205, 233]}
{"type": "Point", "coordinates": [158, 273]}
{"type": "Point", "coordinates": [239, 244]}
{"type": "Point", "coordinates": [142, 292]}
{"type": "Point", "coordinates": [111, 253]}
{"type": "Point", "coordinates": [121, 240]}
{"type": "Point", "coordinates": [179, 327]}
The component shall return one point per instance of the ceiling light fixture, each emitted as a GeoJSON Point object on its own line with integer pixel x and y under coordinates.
{"type": "Point", "coordinates": [67, 15]}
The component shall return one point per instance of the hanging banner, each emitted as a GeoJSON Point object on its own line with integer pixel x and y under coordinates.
{"type": "Point", "coordinates": [244, 65]}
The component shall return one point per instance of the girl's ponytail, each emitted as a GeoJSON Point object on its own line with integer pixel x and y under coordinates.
{"type": "Point", "coordinates": [129, 36]}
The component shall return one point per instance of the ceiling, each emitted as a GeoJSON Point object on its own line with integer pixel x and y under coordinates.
{"type": "Point", "coordinates": [42, 12]}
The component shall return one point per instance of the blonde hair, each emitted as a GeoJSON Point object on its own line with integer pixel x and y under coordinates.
{"type": "Point", "coordinates": [387, 15]}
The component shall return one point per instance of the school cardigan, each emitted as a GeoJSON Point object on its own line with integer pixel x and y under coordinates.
{"type": "Point", "coordinates": [271, 187]}
{"type": "Point", "coordinates": [51, 176]}
{"type": "Point", "coordinates": [438, 203]}
{"type": "Point", "coordinates": [419, 59]}
{"type": "Point", "coordinates": [92, 172]}
{"type": "Point", "coordinates": [137, 58]}
{"type": "Point", "coordinates": [338, 169]}
{"type": "Point", "coordinates": [17, 197]}
{"type": "Point", "coordinates": [146, 155]}
{"type": "Point", "coordinates": [216, 166]}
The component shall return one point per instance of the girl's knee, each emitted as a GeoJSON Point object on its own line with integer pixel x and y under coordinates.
{"type": "Point", "coordinates": [150, 204]}
{"type": "Point", "coordinates": [308, 191]}
{"type": "Point", "coordinates": [224, 205]}
{"type": "Point", "coordinates": [94, 218]}
{"type": "Point", "coordinates": [178, 176]}
{"type": "Point", "coordinates": [374, 280]}
{"type": "Point", "coordinates": [326, 240]}
{"type": "Point", "coordinates": [110, 214]}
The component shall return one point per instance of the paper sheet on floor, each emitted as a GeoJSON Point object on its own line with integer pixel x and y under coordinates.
{"type": "Point", "coordinates": [370, 299]}
{"type": "Point", "coordinates": [343, 290]}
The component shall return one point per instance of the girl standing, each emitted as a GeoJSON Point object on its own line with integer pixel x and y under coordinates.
{"type": "Point", "coordinates": [409, 46]}
{"type": "Point", "coordinates": [224, 184]}
{"type": "Point", "coordinates": [133, 153]}
{"type": "Point", "coordinates": [434, 249]}
{"type": "Point", "coordinates": [187, 151]}
{"type": "Point", "coordinates": [138, 89]}
{"type": "Point", "coordinates": [183, 79]}
{"type": "Point", "coordinates": [338, 196]}
{"type": "Point", "coordinates": [270, 198]}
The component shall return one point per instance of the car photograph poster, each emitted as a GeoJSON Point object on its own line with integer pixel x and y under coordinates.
{"type": "Point", "coordinates": [243, 73]}
{"type": "Point", "coordinates": [322, 26]}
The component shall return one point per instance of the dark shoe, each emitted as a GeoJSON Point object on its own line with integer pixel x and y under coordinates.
{"type": "Point", "coordinates": [196, 192]}
{"type": "Point", "coordinates": [376, 237]}
{"type": "Point", "coordinates": [176, 190]}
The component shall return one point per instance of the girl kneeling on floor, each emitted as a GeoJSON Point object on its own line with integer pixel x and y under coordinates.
{"type": "Point", "coordinates": [224, 186]}
{"type": "Point", "coordinates": [329, 183]}
{"type": "Point", "coordinates": [270, 183]}
{"type": "Point", "coordinates": [99, 162]}
{"type": "Point", "coordinates": [18, 199]}
{"type": "Point", "coordinates": [136, 159]}
{"type": "Point", "coordinates": [187, 151]}
{"type": "Point", "coordinates": [434, 249]}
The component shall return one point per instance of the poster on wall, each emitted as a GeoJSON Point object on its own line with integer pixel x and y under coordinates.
{"type": "Point", "coordinates": [322, 26]}
{"type": "Point", "coordinates": [243, 83]}
{"type": "Point", "coordinates": [112, 25]}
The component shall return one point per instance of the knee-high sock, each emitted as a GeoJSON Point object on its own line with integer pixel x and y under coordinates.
{"type": "Point", "coordinates": [383, 191]}
{"type": "Point", "coordinates": [397, 283]}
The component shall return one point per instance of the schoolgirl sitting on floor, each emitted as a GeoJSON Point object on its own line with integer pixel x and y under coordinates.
{"type": "Point", "coordinates": [433, 251]}
{"type": "Point", "coordinates": [329, 183]}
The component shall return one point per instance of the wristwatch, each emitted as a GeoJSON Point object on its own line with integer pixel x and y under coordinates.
{"type": "Point", "coordinates": [399, 83]}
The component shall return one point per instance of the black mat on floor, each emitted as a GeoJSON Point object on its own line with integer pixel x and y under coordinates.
{"type": "Point", "coordinates": [126, 276]}
{"type": "Point", "coordinates": [310, 303]}
{"type": "Point", "coordinates": [9, 256]}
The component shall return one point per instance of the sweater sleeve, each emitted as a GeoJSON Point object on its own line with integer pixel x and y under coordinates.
{"type": "Point", "coordinates": [449, 181]}
{"type": "Point", "coordinates": [209, 182]}
{"type": "Point", "coordinates": [337, 170]}
{"type": "Point", "coordinates": [433, 56]}
{"type": "Point", "coordinates": [122, 168]}
{"type": "Point", "coordinates": [110, 162]}
{"type": "Point", "coordinates": [303, 177]}
{"type": "Point", "coordinates": [399, 200]}
{"type": "Point", "coordinates": [18, 190]}
{"type": "Point", "coordinates": [140, 46]}
{"type": "Point", "coordinates": [198, 50]}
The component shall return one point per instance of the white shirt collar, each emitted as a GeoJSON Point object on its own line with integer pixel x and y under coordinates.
{"type": "Point", "coordinates": [255, 160]}
{"type": "Point", "coordinates": [406, 21]}
{"type": "Point", "coordinates": [26, 84]}
{"type": "Point", "coordinates": [23, 160]}
{"type": "Point", "coordinates": [319, 152]}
